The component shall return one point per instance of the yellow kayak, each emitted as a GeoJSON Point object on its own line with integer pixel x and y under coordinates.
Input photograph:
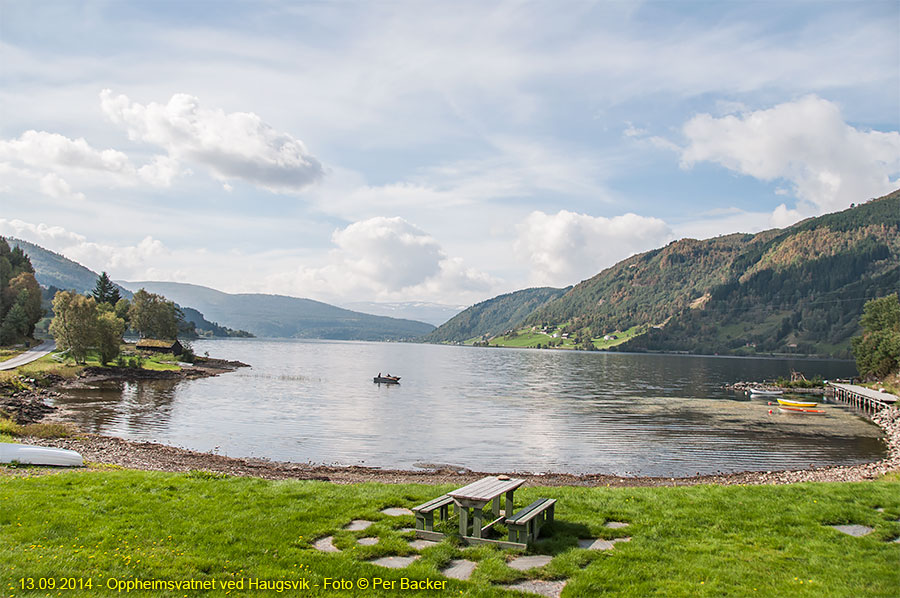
{"type": "Point", "coordinates": [797, 403]}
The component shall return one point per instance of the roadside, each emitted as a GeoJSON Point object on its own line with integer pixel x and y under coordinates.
{"type": "Point", "coordinates": [32, 354]}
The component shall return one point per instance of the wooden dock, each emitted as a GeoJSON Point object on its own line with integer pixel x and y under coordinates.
{"type": "Point", "coordinates": [865, 399]}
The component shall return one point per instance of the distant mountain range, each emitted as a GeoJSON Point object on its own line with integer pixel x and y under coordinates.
{"type": "Point", "coordinates": [285, 317]}
{"type": "Point", "coordinates": [423, 311]}
{"type": "Point", "coordinates": [798, 290]}
{"type": "Point", "coordinates": [262, 315]}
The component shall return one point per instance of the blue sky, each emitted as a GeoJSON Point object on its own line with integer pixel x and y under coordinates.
{"type": "Point", "coordinates": [438, 151]}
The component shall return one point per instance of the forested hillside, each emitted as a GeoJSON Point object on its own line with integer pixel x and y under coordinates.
{"type": "Point", "coordinates": [493, 316]}
{"type": "Point", "coordinates": [286, 317]}
{"type": "Point", "coordinates": [796, 290]}
{"type": "Point", "coordinates": [54, 270]}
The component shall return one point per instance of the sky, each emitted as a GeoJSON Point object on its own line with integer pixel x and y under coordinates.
{"type": "Point", "coordinates": [431, 151]}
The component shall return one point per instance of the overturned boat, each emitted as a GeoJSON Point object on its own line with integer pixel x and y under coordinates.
{"type": "Point", "coordinates": [29, 454]}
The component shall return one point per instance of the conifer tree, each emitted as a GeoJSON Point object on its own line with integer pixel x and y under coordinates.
{"type": "Point", "coordinates": [105, 291]}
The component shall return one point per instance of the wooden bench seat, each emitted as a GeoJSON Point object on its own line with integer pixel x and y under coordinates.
{"type": "Point", "coordinates": [425, 512]}
{"type": "Point", "coordinates": [526, 524]}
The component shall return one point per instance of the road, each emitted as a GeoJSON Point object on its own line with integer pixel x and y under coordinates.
{"type": "Point", "coordinates": [28, 356]}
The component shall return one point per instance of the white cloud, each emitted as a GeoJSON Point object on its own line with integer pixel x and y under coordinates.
{"type": "Point", "coordinates": [385, 258]}
{"type": "Point", "coordinates": [55, 186]}
{"type": "Point", "coordinates": [566, 247]}
{"type": "Point", "coordinates": [829, 163]}
{"type": "Point", "coordinates": [238, 145]}
{"type": "Point", "coordinates": [39, 159]}
{"type": "Point", "coordinates": [141, 261]}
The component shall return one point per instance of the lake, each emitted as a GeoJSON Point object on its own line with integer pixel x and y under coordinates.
{"type": "Point", "coordinates": [483, 409]}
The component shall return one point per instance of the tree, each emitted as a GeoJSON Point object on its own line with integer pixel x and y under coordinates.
{"type": "Point", "coordinates": [24, 288]}
{"type": "Point", "coordinates": [109, 335]}
{"type": "Point", "coordinates": [877, 351]}
{"type": "Point", "coordinates": [152, 316]}
{"type": "Point", "coordinates": [15, 325]}
{"type": "Point", "coordinates": [105, 291]}
{"type": "Point", "coordinates": [74, 325]}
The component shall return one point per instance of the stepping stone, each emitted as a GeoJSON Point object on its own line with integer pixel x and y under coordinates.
{"type": "Point", "coordinates": [325, 545]}
{"type": "Point", "coordinates": [615, 524]}
{"type": "Point", "coordinates": [420, 544]}
{"type": "Point", "coordinates": [599, 544]}
{"type": "Point", "coordinates": [357, 525]}
{"type": "Point", "coordinates": [395, 562]}
{"type": "Point", "coordinates": [856, 531]}
{"type": "Point", "coordinates": [524, 563]}
{"type": "Point", "coordinates": [367, 541]}
{"type": "Point", "coordinates": [880, 509]}
{"type": "Point", "coordinates": [459, 569]}
{"type": "Point", "coordinates": [396, 511]}
{"type": "Point", "coordinates": [552, 589]}
{"type": "Point", "coordinates": [404, 530]}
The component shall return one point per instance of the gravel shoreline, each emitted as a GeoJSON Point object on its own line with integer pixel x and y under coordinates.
{"type": "Point", "coordinates": [103, 451]}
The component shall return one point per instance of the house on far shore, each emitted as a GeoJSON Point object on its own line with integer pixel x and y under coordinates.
{"type": "Point", "coordinates": [160, 346]}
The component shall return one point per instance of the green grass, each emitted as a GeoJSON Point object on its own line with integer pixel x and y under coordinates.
{"type": "Point", "coordinates": [686, 541]}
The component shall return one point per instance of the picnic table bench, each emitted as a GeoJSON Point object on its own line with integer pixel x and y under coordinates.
{"type": "Point", "coordinates": [526, 524]}
{"type": "Point", "coordinates": [425, 517]}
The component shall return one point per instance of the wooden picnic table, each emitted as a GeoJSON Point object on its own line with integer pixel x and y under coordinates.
{"type": "Point", "coordinates": [476, 496]}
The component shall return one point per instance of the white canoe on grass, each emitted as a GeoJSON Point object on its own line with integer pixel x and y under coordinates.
{"type": "Point", "coordinates": [29, 454]}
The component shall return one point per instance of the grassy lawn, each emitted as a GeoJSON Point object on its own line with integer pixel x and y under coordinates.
{"type": "Point", "coordinates": [691, 541]}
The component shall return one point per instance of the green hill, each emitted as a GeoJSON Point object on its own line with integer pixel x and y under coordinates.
{"type": "Point", "coordinates": [285, 317]}
{"type": "Point", "coordinates": [54, 270]}
{"type": "Point", "coordinates": [494, 316]}
{"type": "Point", "coordinates": [798, 290]}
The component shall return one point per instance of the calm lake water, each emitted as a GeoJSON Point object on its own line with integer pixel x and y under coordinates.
{"type": "Point", "coordinates": [483, 409]}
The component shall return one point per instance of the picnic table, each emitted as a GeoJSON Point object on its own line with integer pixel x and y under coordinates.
{"type": "Point", "coordinates": [477, 495]}
{"type": "Point", "coordinates": [524, 526]}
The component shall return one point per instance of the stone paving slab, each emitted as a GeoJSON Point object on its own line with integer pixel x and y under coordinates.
{"type": "Point", "coordinates": [524, 563]}
{"type": "Point", "coordinates": [404, 530]}
{"type": "Point", "coordinates": [420, 544]}
{"type": "Point", "coordinates": [325, 545]}
{"type": "Point", "coordinates": [615, 524]}
{"type": "Point", "coordinates": [459, 569]}
{"type": "Point", "coordinates": [357, 525]}
{"type": "Point", "coordinates": [599, 543]}
{"type": "Point", "coordinates": [395, 562]}
{"type": "Point", "coordinates": [396, 511]}
{"type": "Point", "coordinates": [370, 541]}
{"type": "Point", "coordinates": [857, 531]}
{"type": "Point", "coordinates": [551, 589]}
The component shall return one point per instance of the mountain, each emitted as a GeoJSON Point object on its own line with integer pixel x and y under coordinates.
{"type": "Point", "coordinates": [54, 270]}
{"type": "Point", "coordinates": [285, 317]}
{"type": "Point", "coordinates": [494, 316]}
{"type": "Point", "coordinates": [433, 313]}
{"type": "Point", "coordinates": [796, 290]}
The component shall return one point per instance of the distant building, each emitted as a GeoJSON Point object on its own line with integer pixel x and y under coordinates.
{"type": "Point", "coordinates": [160, 346]}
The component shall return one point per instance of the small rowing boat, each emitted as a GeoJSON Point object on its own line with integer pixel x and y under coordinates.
{"type": "Point", "coordinates": [379, 379]}
{"type": "Point", "coordinates": [797, 403]}
{"type": "Point", "coordinates": [786, 409]}
{"type": "Point", "coordinates": [761, 392]}
{"type": "Point", "coordinates": [28, 454]}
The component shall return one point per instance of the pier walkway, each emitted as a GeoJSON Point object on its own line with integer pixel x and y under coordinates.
{"type": "Point", "coordinates": [865, 399]}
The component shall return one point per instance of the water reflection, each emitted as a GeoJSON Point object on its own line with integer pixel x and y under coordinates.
{"type": "Point", "coordinates": [486, 409]}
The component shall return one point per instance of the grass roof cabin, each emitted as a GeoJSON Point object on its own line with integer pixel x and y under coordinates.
{"type": "Point", "coordinates": [160, 346]}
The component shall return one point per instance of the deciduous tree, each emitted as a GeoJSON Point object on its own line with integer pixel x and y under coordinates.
{"type": "Point", "coordinates": [74, 325]}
